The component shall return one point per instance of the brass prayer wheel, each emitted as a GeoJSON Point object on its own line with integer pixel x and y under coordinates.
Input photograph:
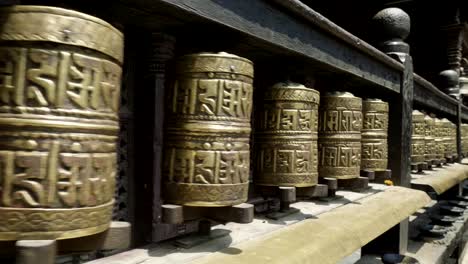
{"type": "Point", "coordinates": [59, 100]}
{"type": "Point", "coordinates": [374, 154]}
{"type": "Point", "coordinates": [418, 138]}
{"type": "Point", "coordinates": [206, 148]}
{"type": "Point", "coordinates": [286, 136]}
{"type": "Point", "coordinates": [429, 139]}
{"type": "Point", "coordinates": [453, 139]}
{"type": "Point", "coordinates": [439, 139]}
{"type": "Point", "coordinates": [340, 124]}
{"type": "Point", "coordinates": [464, 138]}
{"type": "Point", "coordinates": [447, 140]}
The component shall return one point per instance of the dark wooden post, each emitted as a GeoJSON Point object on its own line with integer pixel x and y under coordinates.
{"type": "Point", "coordinates": [161, 50]}
{"type": "Point", "coordinates": [459, 132]}
{"type": "Point", "coordinates": [394, 25]}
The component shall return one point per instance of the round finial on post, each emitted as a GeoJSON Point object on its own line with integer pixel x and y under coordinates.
{"type": "Point", "coordinates": [463, 81]}
{"type": "Point", "coordinates": [449, 83]}
{"type": "Point", "coordinates": [393, 26]}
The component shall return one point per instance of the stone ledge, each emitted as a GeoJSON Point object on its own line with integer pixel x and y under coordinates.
{"type": "Point", "coordinates": [324, 231]}
{"type": "Point", "coordinates": [440, 180]}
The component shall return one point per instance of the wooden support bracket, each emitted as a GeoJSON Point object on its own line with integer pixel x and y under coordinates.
{"type": "Point", "coordinates": [381, 176]}
{"type": "Point", "coordinates": [172, 214]}
{"type": "Point", "coordinates": [317, 191]}
{"type": "Point", "coordinates": [419, 167]}
{"type": "Point", "coordinates": [332, 184]}
{"type": "Point", "coordinates": [355, 184]}
{"type": "Point", "coordinates": [36, 251]}
{"type": "Point", "coordinates": [378, 176]}
{"type": "Point", "coordinates": [177, 214]}
{"type": "Point", "coordinates": [370, 174]}
{"type": "Point", "coordinates": [117, 237]}
{"type": "Point", "coordinates": [241, 213]}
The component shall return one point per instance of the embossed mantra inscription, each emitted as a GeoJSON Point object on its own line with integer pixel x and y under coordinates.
{"type": "Point", "coordinates": [374, 135]}
{"type": "Point", "coordinates": [286, 136]}
{"type": "Point", "coordinates": [430, 152]}
{"type": "Point", "coordinates": [417, 139]}
{"type": "Point", "coordinates": [339, 146]}
{"type": "Point", "coordinates": [464, 138]}
{"type": "Point", "coordinates": [447, 139]}
{"type": "Point", "coordinates": [207, 151]}
{"type": "Point", "coordinates": [58, 124]}
{"type": "Point", "coordinates": [453, 140]}
{"type": "Point", "coordinates": [439, 139]}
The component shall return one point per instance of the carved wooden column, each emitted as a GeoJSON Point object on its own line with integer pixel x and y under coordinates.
{"type": "Point", "coordinates": [394, 26]}
{"type": "Point", "coordinates": [451, 32]}
{"type": "Point", "coordinates": [449, 83]}
{"type": "Point", "coordinates": [161, 50]}
{"type": "Point", "coordinates": [463, 81]}
{"type": "Point", "coordinates": [153, 50]}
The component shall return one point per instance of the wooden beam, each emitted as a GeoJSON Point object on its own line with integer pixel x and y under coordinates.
{"type": "Point", "coordinates": [282, 32]}
{"type": "Point", "coordinates": [429, 96]}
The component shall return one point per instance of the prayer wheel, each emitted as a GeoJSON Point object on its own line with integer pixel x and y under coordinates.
{"type": "Point", "coordinates": [374, 154]}
{"type": "Point", "coordinates": [447, 140]}
{"type": "Point", "coordinates": [418, 138]}
{"type": "Point", "coordinates": [59, 100]}
{"type": "Point", "coordinates": [340, 124]}
{"type": "Point", "coordinates": [430, 152]}
{"type": "Point", "coordinates": [206, 148]}
{"type": "Point", "coordinates": [453, 139]}
{"type": "Point", "coordinates": [439, 139]}
{"type": "Point", "coordinates": [286, 136]}
{"type": "Point", "coordinates": [464, 138]}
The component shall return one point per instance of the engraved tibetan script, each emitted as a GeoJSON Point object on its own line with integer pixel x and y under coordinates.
{"type": "Point", "coordinates": [339, 156]}
{"type": "Point", "coordinates": [62, 79]}
{"type": "Point", "coordinates": [54, 179]}
{"type": "Point", "coordinates": [374, 150]}
{"type": "Point", "coordinates": [289, 119]}
{"type": "Point", "coordinates": [218, 97]}
{"type": "Point", "coordinates": [375, 121]}
{"type": "Point", "coordinates": [208, 167]}
{"type": "Point", "coordinates": [341, 120]}
{"type": "Point", "coordinates": [277, 160]}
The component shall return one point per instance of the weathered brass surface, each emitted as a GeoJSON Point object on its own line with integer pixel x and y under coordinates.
{"type": "Point", "coordinates": [446, 136]}
{"type": "Point", "coordinates": [340, 124]}
{"type": "Point", "coordinates": [439, 139]}
{"type": "Point", "coordinates": [286, 136]}
{"type": "Point", "coordinates": [374, 154]}
{"type": "Point", "coordinates": [464, 138]}
{"type": "Point", "coordinates": [430, 152]}
{"type": "Point", "coordinates": [207, 151]}
{"type": "Point", "coordinates": [453, 139]}
{"type": "Point", "coordinates": [417, 138]}
{"type": "Point", "coordinates": [59, 98]}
